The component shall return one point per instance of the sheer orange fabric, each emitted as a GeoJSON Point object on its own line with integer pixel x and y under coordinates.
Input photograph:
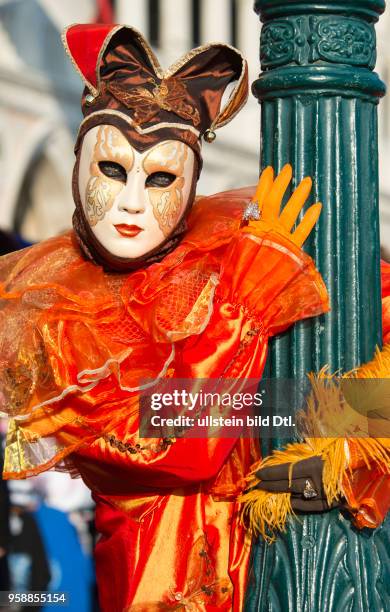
{"type": "Point", "coordinates": [77, 344]}
{"type": "Point", "coordinates": [385, 270]}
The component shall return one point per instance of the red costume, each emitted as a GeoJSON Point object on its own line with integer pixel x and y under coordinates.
{"type": "Point", "coordinates": [76, 343]}
{"type": "Point", "coordinates": [166, 511]}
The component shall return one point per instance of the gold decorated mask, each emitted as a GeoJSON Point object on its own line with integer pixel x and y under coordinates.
{"type": "Point", "coordinates": [133, 201]}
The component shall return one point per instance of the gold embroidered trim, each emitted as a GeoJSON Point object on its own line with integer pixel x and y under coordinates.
{"type": "Point", "coordinates": [126, 447]}
{"type": "Point", "coordinates": [166, 124]}
{"type": "Point", "coordinates": [170, 95]}
{"type": "Point", "coordinates": [199, 316]}
{"type": "Point", "coordinates": [153, 128]}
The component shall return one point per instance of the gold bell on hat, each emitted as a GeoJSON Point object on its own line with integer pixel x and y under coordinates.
{"type": "Point", "coordinates": [90, 99]}
{"type": "Point", "coordinates": [209, 136]}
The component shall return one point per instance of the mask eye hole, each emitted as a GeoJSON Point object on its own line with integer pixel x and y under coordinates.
{"type": "Point", "coordinates": [160, 179]}
{"type": "Point", "coordinates": [113, 171]}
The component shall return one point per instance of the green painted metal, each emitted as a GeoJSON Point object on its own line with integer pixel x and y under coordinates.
{"type": "Point", "coordinates": [319, 96]}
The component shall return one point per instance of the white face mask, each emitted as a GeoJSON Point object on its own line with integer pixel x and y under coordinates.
{"type": "Point", "coordinates": [133, 201]}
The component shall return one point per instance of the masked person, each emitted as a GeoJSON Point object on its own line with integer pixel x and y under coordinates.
{"type": "Point", "coordinates": [150, 287]}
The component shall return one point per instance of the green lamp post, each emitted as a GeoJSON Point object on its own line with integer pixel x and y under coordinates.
{"type": "Point", "coordinates": [319, 97]}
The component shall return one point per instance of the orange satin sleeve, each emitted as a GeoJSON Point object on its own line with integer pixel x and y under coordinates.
{"type": "Point", "coordinates": [273, 280]}
{"type": "Point", "coordinates": [366, 487]}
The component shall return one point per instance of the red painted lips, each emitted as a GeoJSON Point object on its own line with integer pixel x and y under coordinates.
{"type": "Point", "coordinates": [128, 231]}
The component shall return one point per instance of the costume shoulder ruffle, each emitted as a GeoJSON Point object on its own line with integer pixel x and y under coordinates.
{"type": "Point", "coordinates": [76, 350]}
{"type": "Point", "coordinates": [65, 323]}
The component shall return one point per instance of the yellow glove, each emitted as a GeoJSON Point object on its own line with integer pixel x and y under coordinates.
{"type": "Point", "coordinates": [269, 196]}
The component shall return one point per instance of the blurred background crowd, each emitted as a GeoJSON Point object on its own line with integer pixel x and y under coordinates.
{"type": "Point", "coordinates": [46, 523]}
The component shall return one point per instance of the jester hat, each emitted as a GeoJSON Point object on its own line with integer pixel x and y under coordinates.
{"type": "Point", "coordinates": [126, 86]}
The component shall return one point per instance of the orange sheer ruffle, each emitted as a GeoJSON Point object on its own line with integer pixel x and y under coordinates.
{"type": "Point", "coordinates": [77, 344]}
{"type": "Point", "coordinates": [66, 324]}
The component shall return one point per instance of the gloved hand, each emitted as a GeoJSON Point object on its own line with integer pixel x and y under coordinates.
{"type": "Point", "coordinates": [268, 199]}
{"type": "Point", "coordinates": [306, 485]}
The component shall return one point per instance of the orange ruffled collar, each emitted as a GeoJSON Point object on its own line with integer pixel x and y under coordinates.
{"type": "Point", "coordinates": [66, 324]}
